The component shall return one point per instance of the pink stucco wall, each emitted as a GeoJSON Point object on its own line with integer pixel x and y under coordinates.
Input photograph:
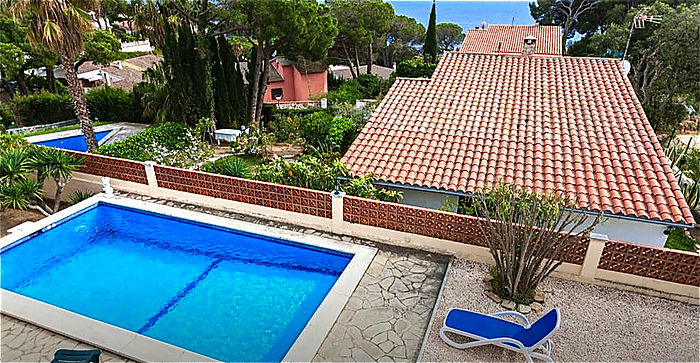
{"type": "Point", "coordinates": [297, 86]}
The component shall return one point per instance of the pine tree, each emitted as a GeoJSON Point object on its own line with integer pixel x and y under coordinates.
{"type": "Point", "coordinates": [430, 49]}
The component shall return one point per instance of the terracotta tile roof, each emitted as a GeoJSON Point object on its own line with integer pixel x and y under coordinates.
{"type": "Point", "coordinates": [568, 124]}
{"type": "Point", "coordinates": [510, 39]}
{"type": "Point", "coordinates": [129, 74]}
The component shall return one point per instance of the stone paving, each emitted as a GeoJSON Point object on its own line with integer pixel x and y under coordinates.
{"type": "Point", "coordinates": [388, 314]}
{"type": "Point", "coordinates": [29, 343]}
{"type": "Point", "coordinates": [385, 318]}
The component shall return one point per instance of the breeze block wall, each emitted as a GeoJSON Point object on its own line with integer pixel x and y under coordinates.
{"type": "Point", "coordinates": [653, 262]}
{"type": "Point", "coordinates": [430, 223]}
{"type": "Point", "coordinates": [293, 199]}
{"type": "Point", "coordinates": [114, 168]}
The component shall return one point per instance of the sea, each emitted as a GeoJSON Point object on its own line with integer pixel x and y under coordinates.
{"type": "Point", "coordinates": [467, 14]}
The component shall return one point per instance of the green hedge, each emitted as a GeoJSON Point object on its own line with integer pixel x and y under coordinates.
{"type": "Point", "coordinates": [6, 117]}
{"type": "Point", "coordinates": [111, 104]}
{"type": "Point", "coordinates": [43, 108]}
{"type": "Point", "coordinates": [415, 68]}
{"type": "Point", "coordinates": [171, 136]}
{"type": "Point", "coordinates": [104, 103]}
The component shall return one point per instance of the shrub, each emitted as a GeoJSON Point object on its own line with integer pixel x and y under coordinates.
{"type": "Point", "coordinates": [348, 93]}
{"type": "Point", "coordinates": [12, 141]}
{"type": "Point", "coordinates": [321, 130]}
{"type": "Point", "coordinates": [43, 108]}
{"type": "Point", "coordinates": [306, 172]}
{"type": "Point", "coordinates": [369, 85]}
{"type": "Point", "coordinates": [341, 133]}
{"type": "Point", "coordinates": [6, 116]}
{"type": "Point", "coordinates": [230, 165]}
{"type": "Point", "coordinates": [316, 173]}
{"type": "Point", "coordinates": [40, 83]}
{"type": "Point", "coordinates": [528, 236]}
{"type": "Point", "coordinates": [363, 187]}
{"type": "Point", "coordinates": [171, 144]}
{"type": "Point", "coordinates": [314, 128]}
{"type": "Point", "coordinates": [679, 239]}
{"type": "Point", "coordinates": [415, 68]}
{"type": "Point", "coordinates": [110, 104]}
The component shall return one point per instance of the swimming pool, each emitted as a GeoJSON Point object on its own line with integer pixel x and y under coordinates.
{"type": "Point", "coordinates": [76, 143]}
{"type": "Point", "coordinates": [225, 293]}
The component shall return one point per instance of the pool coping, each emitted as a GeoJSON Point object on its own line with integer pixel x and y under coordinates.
{"type": "Point", "coordinates": [113, 128]}
{"type": "Point", "coordinates": [142, 348]}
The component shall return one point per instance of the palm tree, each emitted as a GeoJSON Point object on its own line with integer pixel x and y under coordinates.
{"type": "Point", "coordinates": [59, 25]}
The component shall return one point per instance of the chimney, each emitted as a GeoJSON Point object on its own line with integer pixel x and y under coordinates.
{"type": "Point", "coordinates": [529, 45]}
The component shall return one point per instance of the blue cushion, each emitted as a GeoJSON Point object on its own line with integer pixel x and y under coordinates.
{"type": "Point", "coordinates": [490, 327]}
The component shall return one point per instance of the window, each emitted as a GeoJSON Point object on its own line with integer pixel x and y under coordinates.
{"type": "Point", "coordinates": [276, 94]}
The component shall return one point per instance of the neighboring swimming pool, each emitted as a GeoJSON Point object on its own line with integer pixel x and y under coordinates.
{"type": "Point", "coordinates": [219, 292]}
{"type": "Point", "coordinates": [76, 143]}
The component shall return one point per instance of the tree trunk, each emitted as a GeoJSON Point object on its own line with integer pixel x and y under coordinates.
{"type": "Point", "coordinates": [369, 59]}
{"type": "Point", "coordinates": [81, 110]}
{"type": "Point", "coordinates": [255, 79]}
{"type": "Point", "coordinates": [357, 61]}
{"type": "Point", "coordinates": [349, 60]}
{"type": "Point", "coordinates": [22, 84]}
{"type": "Point", "coordinates": [57, 198]}
{"type": "Point", "coordinates": [50, 79]}
{"type": "Point", "coordinates": [263, 87]}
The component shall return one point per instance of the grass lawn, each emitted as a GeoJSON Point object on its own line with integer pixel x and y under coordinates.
{"type": "Point", "coordinates": [679, 240]}
{"type": "Point", "coordinates": [64, 128]}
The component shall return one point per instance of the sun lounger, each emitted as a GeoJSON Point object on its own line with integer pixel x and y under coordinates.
{"type": "Point", "coordinates": [532, 340]}
{"type": "Point", "coordinates": [74, 356]}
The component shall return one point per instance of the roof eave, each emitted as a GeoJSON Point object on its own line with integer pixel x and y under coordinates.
{"type": "Point", "coordinates": [585, 211]}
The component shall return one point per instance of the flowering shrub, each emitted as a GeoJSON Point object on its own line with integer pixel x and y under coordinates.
{"type": "Point", "coordinates": [171, 144]}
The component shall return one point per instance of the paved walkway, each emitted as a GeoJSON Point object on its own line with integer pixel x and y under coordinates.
{"type": "Point", "coordinates": [29, 343]}
{"type": "Point", "coordinates": [385, 318]}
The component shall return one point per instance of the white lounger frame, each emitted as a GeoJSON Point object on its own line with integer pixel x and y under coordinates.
{"type": "Point", "coordinates": [545, 344]}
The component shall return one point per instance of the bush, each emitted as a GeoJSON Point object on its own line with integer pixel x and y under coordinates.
{"type": "Point", "coordinates": [40, 83]}
{"type": "Point", "coordinates": [306, 172]}
{"type": "Point", "coordinates": [315, 173]}
{"type": "Point", "coordinates": [348, 93]}
{"type": "Point", "coordinates": [43, 108]}
{"type": "Point", "coordinates": [171, 144]}
{"type": "Point", "coordinates": [314, 128]}
{"type": "Point", "coordinates": [341, 134]}
{"type": "Point", "coordinates": [415, 68]}
{"type": "Point", "coordinates": [230, 165]}
{"type": "Point", "coordinates": [678, 239]}
{"type": "Point", "coordinates": [6, 117]}
{"type": "Point", "coordinates": [321, 130]}
{"type": "Point", "coordinates": [110, 104]}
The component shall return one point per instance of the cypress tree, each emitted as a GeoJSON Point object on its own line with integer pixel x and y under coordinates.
{"type": "Point", "coordinates": [237, 96]}
{"type": "Point", "coordinates": [430, 48]}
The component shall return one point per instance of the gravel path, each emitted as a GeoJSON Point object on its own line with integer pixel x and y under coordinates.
{"type": "Point", "coordinates": [598, 323]}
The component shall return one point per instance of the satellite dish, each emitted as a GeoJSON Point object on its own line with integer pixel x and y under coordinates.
{"type": "Point", "coordinates": [626, 66]}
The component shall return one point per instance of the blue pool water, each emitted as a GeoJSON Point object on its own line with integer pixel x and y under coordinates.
{"type": "Point", "coordinates": [222, 293]}
{"type": "Point", "coordinates": [76, 143]}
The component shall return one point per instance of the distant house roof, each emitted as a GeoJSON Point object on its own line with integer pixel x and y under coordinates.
{"type": "Point", "coordinates": [343, 72]}
{"type": "Point", "coordinates": [274, 76]}
{"type": "Point", "coordinates": [303, 66]}
{"type": "Point", "coordinates": [567, 124]}
{"type": "Point", "coordinates": [510, 39]}
{"type": "Point", "coordinates": [124, 77]}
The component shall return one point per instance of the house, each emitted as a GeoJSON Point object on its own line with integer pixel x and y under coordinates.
{"type": "Point", "coordinates": [295, 81]}
{"type": "Point", "coordinates": [344, 73]}
{"type": "Point", "coordinates": [566, 124]}
{"type": "Point", "coordinates": [509, 39]}
{"type": "Point", "coordinates": [120, 74]}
